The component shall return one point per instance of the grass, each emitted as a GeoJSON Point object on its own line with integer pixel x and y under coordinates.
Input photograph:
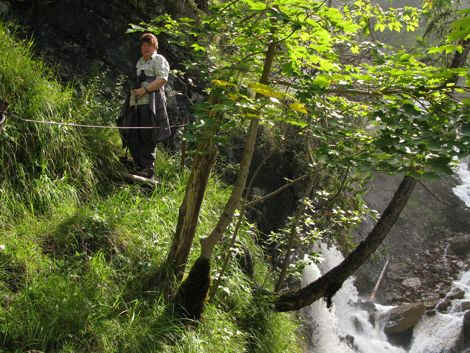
{"type": "Point", "coordinates": [79, 253]}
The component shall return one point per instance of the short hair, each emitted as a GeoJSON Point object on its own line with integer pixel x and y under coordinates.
{"type": "Point", "coordinates": [149, 38]}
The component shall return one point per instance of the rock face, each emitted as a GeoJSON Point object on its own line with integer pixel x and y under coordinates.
{"type": "Point", "coordinates": [463, 343]}
{"type": "Point", "coordinates": [466, 330]}
{"type": "Point", "coordinates": [460, 245]}
{"type": "Point", "coordinates": [403, 317]}
{"type": "Point", "coordinates": [456, 293]}
{"type": "Point", "coordinates": [426, 247]}
{"type": "Point", "coordinates": [465, 305]}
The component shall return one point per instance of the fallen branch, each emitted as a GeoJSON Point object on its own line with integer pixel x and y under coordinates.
{"type": "Point", "coordinates": [379, 280]}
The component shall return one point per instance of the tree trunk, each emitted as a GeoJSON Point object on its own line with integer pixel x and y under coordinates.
{"type": "Point", "coordinates": [460, 59]}
{"type": "Point", "coordinates": [193, 305]}
{"type": "Point", "coordinates": [208, 244]}
{"type": "Point", "coordinates": [189, 211]}
{"type": "Point", "coordinates": [327, 285]}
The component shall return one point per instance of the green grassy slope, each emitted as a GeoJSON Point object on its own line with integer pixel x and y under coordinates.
{"type": "Point", "coordinates": [78, 253]}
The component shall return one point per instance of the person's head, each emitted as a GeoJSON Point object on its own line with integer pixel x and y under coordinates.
{"type": "Point", "coordinates": [148, 45]}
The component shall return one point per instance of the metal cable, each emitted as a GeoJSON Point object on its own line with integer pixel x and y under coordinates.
{"type": "Point", "coordinates": [47, 122]}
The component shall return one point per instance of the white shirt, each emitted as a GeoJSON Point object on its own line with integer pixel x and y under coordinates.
{"type": "Point", "coordinates": [156, 66]}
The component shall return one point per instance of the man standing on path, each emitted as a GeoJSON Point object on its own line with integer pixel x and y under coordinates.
{"type": "Point", "coordinates": [148, 107]}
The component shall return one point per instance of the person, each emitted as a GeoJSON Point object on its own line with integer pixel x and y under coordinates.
{"type": "Point", "coordinates": [148, 107]}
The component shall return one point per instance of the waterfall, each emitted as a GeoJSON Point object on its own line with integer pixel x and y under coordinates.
{"type": "Point", "coordinates": [347, 326]}
{"type": "Point", "coordinates": [462, 191]}
{"type": "Point", "coordinates": [440, 333]}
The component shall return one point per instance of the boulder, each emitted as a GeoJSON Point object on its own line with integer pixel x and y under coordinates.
{"type": "Point", "coordinates": [403, 317]}
{"type": "Point", "coordinates": [465, 305]}
{"type": "Point", "coordinates": [460, 245]}
{"type": "Point", "coordinates": [413, 282]}
{"type": "Point", "coordinates": [443, 305]}
{"type": "Point", "coordinates": [456, 293]}
{"type": "Point", "coordinates": [398, 270]}
{"type": "Point", "coordinates": [463, 342]}
{"type": "Point", "coordinates": [466, 330]}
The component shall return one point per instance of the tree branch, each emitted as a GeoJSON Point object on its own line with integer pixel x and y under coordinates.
{"type": "Point", "coordinates": [327, 285]}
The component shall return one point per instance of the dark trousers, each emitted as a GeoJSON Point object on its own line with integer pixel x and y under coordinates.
{"type": "Point", "coordinates": [142, 142]}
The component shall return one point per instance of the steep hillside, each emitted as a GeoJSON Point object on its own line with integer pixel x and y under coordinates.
{"type": "Point", "coordinates": [79, 248]}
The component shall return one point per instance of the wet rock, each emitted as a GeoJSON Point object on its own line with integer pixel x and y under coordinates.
{"type": "Point", "coordinates": [463, 342]}
{"type": "Point", "coordinates": [460, 245]}
{"type": "Point", "coordinates": [431, 303]}
{"type": "Point", "coordinates": [397, 270]}
{"type": "Point", "coordinates": [465, 305]}
{"type": "Point", "coordinates": [456, 293]}
{"type": "Point", "coordinates": [431, 313]}
{"type": "Point", "coordinates": [367, 306]}
{"type": "Point", "coordinates": [443, 306]}
{"type": "Point", "coordinates": [402, 339]}
{"type": "Point", "coordinates": [466, 330]}
{"type": "Point", "coordinates": [349, 340]}
{"type": "Point", "coordinates": [412, 282]}
{"type": "Point", "coordinates": [358, 325]}
{"type": "Point", "coordinates": [403, 317]}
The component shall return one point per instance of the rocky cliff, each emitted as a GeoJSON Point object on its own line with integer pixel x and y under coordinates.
{"type": "Point", "coordinates": [425, 247]}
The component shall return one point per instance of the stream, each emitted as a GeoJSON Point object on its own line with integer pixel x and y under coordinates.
{"type": "Point", "coordinates": [354, 326]}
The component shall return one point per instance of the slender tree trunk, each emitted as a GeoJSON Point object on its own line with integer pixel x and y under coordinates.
{"type": "Point", "coordinates": [327, 285]}
{"type": "Point", "coordinates": [208, 244]}
{"type": "Point", "coordinates": [189, 211]}
{"type": "Point", "coordinates": [460, 59]}
{"type": "Point", "coordinates": [193, 291]}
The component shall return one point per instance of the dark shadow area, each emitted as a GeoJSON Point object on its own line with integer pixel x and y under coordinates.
{"type": "Point", "coordinates": [82, 235]}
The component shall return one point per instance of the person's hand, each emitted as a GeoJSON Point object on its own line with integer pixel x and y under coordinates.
{"type": "Point", "coordinates": [139, 92]}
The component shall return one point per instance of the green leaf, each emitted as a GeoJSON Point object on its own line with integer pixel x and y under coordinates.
{"type": "Point", "coordinates": [265, 90]}
{"type": "Point", "coordinates": [222, 83]}
{"type": "Point", "coordinates": [255, 5]}
{"type": "Point", "coordinates": [198, 47]}
{"type": "Point", "coordinates": [298, 107]}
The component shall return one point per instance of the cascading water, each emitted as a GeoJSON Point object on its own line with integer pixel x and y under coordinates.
{"type": "Point", "coordinates": [441, 332]}
{"type": "Point", "coordinates": [463, 190]}
{"type": "Point", "coordinates": [346, 328]}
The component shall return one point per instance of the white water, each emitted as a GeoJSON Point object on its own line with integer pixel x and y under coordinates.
{"type": "Point", "coordinates": [346, 328]}
{"type": "Point", "coordinates": [439, 334]}
{"type": "Point", "coordinates": [463, 190]}
{"type": "Point", "coordinates": [433, 334]}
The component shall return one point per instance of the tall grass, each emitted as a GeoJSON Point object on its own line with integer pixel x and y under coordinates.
{"type": "Point", "coordinates": [41, 164]}
{"type": "Point", "coordinates": [77, 266]}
